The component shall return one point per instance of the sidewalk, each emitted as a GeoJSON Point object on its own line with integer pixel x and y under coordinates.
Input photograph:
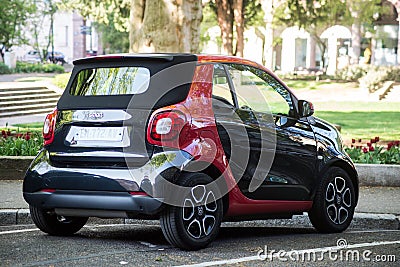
{"type": "Point", "coordinates": [377, 207]}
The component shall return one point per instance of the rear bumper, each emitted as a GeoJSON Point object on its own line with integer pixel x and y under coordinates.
{"type": "Point", "coordinates": [89, 203]}
{"type": "Point", "coordinates": [101, 192]}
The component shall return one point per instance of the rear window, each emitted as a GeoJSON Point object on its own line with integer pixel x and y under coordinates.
{"type": "Point", "coordinates": [111, 81]}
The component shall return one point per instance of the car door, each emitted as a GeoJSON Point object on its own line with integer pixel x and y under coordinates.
{"type": "Point", "coordinates": [284, 170]}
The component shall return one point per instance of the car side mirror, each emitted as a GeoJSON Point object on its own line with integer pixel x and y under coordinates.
{"type": "Point", "coordinates": [305, 108]}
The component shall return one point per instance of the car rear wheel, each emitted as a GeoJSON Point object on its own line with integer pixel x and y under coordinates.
{"type": "Point", "coordinates": [54, 224]}
{"type": "Point", "coordinates": [196, 223]}
{"type": "Point", "coordinates": [334, 202]}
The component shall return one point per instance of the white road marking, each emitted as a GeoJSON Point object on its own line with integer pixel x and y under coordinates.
{"type": "Point", "coordinates": [18, 231]}
{"type": "Point", "coordinates": [370, 231]}
{"type": "Point", "coordinates": [314, 250]}
{"type": "Point", "coordinates": [147, 244]}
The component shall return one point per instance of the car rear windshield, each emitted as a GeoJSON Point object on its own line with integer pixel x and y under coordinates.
{"type": "Point", "coordinates": [111, 81]}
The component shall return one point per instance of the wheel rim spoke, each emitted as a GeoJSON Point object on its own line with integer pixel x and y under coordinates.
{"type": "Point", "coordinates": [210, 203]}
{"type": "Point", "coordinates": [330, 193]}
{"type": "Point", "coordinates": [208, 224]}
{"type": "Point", "coordinates": [198, 193]}
{"type": "Point", "coordinates": [332, 212]}
{"type": "Point", "coordinates": [188, 209]}
{"type": "Point", "coordinates": [340, 184]}
{"type": "Point", "coordinates": [194, 229]}
{"type": "Point", "coordinates": [343, 214]}
{"type": "Point", "coordinates": [347, 197]}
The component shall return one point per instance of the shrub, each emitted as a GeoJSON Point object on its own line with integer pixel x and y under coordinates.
{"type": "Point", "coordinates": [374, 79]}
{"type": "Point", "coordinates": [353, 72]}
{"type": "Point", "coordinates": [20, 144]}
{"type": "Point", "coordinates": [393, 73]}
{"type": "Point", "coordinates": [61, 80]}
{"type": "Point", "coordinates": [25, 67]}
{"type": "Point", "coordinates": [53, 68]}
{"type": "Point", "coordinates": [4, 69]}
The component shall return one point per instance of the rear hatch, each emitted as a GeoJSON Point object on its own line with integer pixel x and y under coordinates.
{"type": "Point", "coordinates": [103, 114]}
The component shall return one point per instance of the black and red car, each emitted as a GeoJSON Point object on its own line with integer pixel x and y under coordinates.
{"type": "Point", "coordinates": [193, 140]}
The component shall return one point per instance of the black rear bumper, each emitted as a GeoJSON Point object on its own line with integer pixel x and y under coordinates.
{"type": "Point", "coordinates": [109, 204]}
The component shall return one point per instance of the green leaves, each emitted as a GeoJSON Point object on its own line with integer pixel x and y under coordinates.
{"type": "Point", "coordinates": [375, 154]}
{"type": "Point", "coordinates": [13, 17]}
{"type": "Point", "coordinates": [18, 144]}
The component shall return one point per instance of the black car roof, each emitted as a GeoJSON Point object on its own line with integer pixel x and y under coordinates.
{"type": "Point", "coordinates": [134, 56]}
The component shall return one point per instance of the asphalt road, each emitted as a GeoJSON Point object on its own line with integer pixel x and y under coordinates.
{"type": "Point", "coordinates": [139, 245]}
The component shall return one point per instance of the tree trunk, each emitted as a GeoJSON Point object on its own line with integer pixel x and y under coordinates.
{"type": "Point", "coordinates": [238, 11]}
{"type": "Point", "coordinates": [165, 25]}
{"type": "Point", "coordinates": [268, 48]}
{"type": "Point", "coordinates": [225, 22]}
{"type": "Point", "coordinates": [355, 42]}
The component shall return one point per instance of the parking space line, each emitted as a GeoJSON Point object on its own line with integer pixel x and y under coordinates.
{"type": "Point", "coordinates": [313, 250]}
{"type": "Point", "coordinates": [18, 231]}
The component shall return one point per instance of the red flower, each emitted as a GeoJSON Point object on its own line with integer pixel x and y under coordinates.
{"type": "Point", "coordinates": [358, 147]}
{"type": "Point", "coordinates": [8, 132]}
{"type": "Point", "coordinates": [353, 140]}
{"type": "Point", "coordinates": [365, 150]}
{"type": "Point", "coordinates": [376, 138]}
{"type": "Point", "coordinates": [359, 140]}
{"type": "Point", "coordinates": [389, 146]}
{"type": "Point", "coordinates": [3, 133]}
{"type": "Point", "coordinates": [352, 146]}
{"type": "Point", "coordinates": [27, 137]}
{"type": "Point", "coordinates": [19, 135]}
{"type": "Point", "coordinates": [368, 144]}
{"type": "Point", "coordinates": [397, 143]}
{"type": "Point", "coordinates": [372, 141]}
{"type": "Point", "coordinates": [371, 148]}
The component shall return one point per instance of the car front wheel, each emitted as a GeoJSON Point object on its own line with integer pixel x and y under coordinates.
{"type": "Point", "coordinates": [196, 222]}
{"type": "Point", "coordinates": [334, 202]}
{"type": "Point", "coordinates": [54, 224]}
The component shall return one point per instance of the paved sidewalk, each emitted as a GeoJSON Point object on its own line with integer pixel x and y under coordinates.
{"type": "Point", "coordinates": [378, 207]}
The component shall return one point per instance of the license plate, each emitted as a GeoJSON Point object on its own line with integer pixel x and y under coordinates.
{"type": "Point", "coordinates": [114, 134]}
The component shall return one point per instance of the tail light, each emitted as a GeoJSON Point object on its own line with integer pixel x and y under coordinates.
{"type": "Point", "coordinates": [165, 128]}
{"type": "Point", "coordinates": [49, 127]}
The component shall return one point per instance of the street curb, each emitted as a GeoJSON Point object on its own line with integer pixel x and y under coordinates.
{"type": "Point", "coordinates": [378, 174]}
{"type": "Point", "coordinates": [360, 220]}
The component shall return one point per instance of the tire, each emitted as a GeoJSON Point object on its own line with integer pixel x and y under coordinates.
{"type": "Point", "coordinates": [192, 227]}
{"type": "Point", "coordinates": [334, 202]}
{"type": "Point", "coordinates": [56, 225]}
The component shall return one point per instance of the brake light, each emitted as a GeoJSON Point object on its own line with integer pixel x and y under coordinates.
{"type": "Point", "coordinates": [49, 127]}
{"type": "Point", "coordinates": [165, 126]}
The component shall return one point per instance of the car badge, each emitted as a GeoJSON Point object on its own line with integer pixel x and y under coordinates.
{"type": "Point", "coordinates": [94, 115]}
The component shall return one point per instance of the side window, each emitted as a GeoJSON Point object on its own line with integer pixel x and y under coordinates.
{"type": "Point", "coordinates": [254, 88]}
{"type": "Point", "coordinates": [221, 90]}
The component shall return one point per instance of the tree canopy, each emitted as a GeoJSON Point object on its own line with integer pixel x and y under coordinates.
{"type": "Point", "coordinates": [14, 15]}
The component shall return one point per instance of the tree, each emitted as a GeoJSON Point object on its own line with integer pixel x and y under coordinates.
{"type": "Point", "coordinates": [362, 12]}
{"type": "Point", "coordinates": [165, 25]}
{"type": "Point", "coordinates": [154, 25]}
{"type": "Point", "coordinates": [113, 40]}
{"type": "Point", "coordinates": [238, 13]}
{"type": "Point", "coordinates": [314, 16]}
{"type": "Point", "coordinates": [13, 17]}
{"type": "Point", "coordinates": [44, 9]}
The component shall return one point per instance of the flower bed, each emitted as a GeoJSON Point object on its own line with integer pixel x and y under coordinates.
{"type": "Point", "coordinates": [15, 143]}
{"type": "Point", "coordinates": [371, 152]}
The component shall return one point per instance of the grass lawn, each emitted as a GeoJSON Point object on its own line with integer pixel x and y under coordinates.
{"type": "Point", "coordinates": [363, 120]}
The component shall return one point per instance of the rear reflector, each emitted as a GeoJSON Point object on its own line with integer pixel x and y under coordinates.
{"type": "Point", "coordinates": [48, 190]}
